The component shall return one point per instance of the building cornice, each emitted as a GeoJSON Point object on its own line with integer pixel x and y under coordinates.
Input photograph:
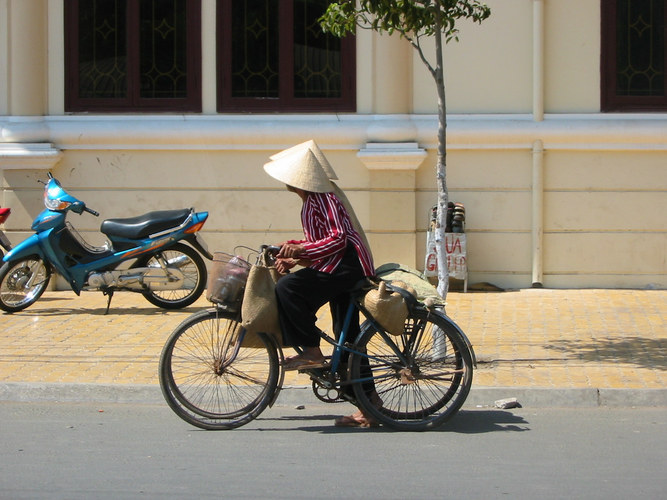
{"type": "Point", "coordinates": [28, 156]}
{"type": "Point", "coordinates": [342, 132]}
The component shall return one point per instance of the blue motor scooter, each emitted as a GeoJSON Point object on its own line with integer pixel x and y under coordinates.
{"type": "Point", "coordinates": [169, 273]}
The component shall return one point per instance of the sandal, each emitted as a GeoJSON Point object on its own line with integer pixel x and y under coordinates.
{"type": "Point", "coordinates": [301, 363]}
{"type": "Point", "coordinates": [356, 420]}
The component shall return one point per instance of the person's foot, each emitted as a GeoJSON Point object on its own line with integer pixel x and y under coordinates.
{"type": "Point", "coordinates": [360, 419]}
{"type": "Point", "coordinates": [309, 358]}
{"type": "Point", "coordinates": [301, 363]}
{"type": "Point", "coordinates": [356, 420]}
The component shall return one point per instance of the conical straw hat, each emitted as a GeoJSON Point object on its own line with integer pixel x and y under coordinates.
{"type": "Point", "coordinates": [312, 145]}
{"type": "Point", "coordinates": [300, 170]}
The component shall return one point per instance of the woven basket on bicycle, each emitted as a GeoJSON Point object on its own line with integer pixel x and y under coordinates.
{"type": "Point", "coordinates": [227, 280]}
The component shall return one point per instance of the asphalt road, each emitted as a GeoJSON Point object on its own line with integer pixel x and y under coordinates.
{"type": "Point", "coordinates": [127, 451]}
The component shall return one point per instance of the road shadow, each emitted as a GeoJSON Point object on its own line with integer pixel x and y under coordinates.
{"type": "Point", "coordinates": [639, 351]}
{"type": "Point", "coordinates": [464, 422]}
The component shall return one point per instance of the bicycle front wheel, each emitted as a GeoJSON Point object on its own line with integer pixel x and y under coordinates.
{"type": "Point", "coordinates": [422, 377]}
{"type": "Point", "coordinates": [209, 379]}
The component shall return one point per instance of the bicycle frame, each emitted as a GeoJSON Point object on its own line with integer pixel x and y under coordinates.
{"type": "Point", "coordinates": [340, 347]}
{"type": "Point", "coordinates": [415, 380]}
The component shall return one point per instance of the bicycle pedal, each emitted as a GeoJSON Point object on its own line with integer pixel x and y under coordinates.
{"type": "Point", "coordinates": [319, 370]}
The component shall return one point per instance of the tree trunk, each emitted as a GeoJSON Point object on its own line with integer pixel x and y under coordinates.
{"type": "Point", "coordinates": [441, 169]}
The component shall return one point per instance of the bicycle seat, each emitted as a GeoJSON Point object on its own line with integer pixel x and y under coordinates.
{"type": "Point", "coordinates": [364, 285]}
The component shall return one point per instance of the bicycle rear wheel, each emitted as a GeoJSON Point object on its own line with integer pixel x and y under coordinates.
{"type": "Point", "coordinates": [209, 379]}
{"type": "Point", "coordinates": [422, 377]}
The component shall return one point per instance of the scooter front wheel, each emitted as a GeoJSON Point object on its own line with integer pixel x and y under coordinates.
{"type": "Point", "coordinates": [22, 282]}
{"type": "Point", "coordinates": [188, 261]}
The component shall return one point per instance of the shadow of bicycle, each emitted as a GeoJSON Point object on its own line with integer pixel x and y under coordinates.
{"type": "Point", "coordinates": [464, 422]}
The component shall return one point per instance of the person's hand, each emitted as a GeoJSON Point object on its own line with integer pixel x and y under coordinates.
{"type": "Point", "coordinates": [290, 251]}
{"type": "Point", "coordinates": [305, 262]}
{"type": "Point", "coordinates": [284, 265]}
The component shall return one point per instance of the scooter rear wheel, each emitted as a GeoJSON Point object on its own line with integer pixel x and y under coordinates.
{"type": "Point", "coordinates": [189, 262]}
{"type": "Point", "coordinates": [22, 282]}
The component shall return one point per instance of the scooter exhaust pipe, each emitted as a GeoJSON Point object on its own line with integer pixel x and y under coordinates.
{"type": "Point", "coordinates": [179, 261]}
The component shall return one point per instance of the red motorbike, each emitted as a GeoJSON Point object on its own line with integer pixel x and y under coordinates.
{"type": "Point", "coordinates": [4, 242]}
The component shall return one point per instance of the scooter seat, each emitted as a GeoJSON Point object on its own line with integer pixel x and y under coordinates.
{"type": "Point", "coordinates": [142, 226]}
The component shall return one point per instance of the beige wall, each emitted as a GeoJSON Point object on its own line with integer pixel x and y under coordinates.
{"type": "Point", "coordinates": [604, 176]}
{"type": "Point", "coordinates": [572, 56]}
{"type": "Point", "coordinates": [490, 70]}
{"type": "Point", "coordinates": [604, 223]}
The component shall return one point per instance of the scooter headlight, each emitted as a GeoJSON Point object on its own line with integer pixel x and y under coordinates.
{"type": "Point", "coordinates": [54, 203]}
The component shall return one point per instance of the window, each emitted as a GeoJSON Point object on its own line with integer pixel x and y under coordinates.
{"type": "Point", "coordinates": [273, 56]}
{"type": "Point", "coordinates": [633, 55]}
{"type": "Point", "coordinates": [133, 55]}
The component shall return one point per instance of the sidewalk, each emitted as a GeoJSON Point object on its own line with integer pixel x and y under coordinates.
{"type": "Point", "coordinates": [544, 347]}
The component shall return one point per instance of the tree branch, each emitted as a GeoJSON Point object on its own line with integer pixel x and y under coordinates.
{"type": "Point", "coordinates": [417, 45]}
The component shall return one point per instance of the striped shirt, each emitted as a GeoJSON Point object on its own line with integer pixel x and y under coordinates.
{"type": "Point", "coordinates": [327, 229]}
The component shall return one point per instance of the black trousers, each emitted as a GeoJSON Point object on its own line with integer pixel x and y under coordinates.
{"type": "Point", "coordinates": [302, 293]}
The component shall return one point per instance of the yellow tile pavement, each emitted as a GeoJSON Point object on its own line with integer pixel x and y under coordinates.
{"type": "Point", "coordinates": [613, 339]}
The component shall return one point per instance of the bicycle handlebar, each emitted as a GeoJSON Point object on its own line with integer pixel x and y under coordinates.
{"type": "Point", "coordinates": [272, 249]}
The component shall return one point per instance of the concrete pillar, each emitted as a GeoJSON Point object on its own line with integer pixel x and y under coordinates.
{"type": "Point", "coordinates": [4, 57]}
{"type": "Point", "coordinates": [393, 75]}
{"type": "Point", "coordinates": [25, 43]}
{"type": "Point", "coordinates": [538, 60]}
{"type": "Point", "coordinates": [209, 40]}
{"type": "Point", "coordinates": [393, 200]}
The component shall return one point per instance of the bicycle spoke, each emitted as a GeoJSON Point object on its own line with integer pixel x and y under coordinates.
{"type": "Point", "coordinates": [423, 386]}
{"type": "Point", "coordinates": [209, 379]}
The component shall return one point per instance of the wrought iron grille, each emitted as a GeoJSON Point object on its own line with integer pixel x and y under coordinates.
{"type": "Point", "coordinates": [103, 49]}
{"type": "Point", "coordinates": [640, 48]}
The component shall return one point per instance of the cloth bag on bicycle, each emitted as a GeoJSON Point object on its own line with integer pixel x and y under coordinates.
{"type": "Point", "coordinates": [388, 306]}
{"type": "Point", "coordinates": [259, 312]}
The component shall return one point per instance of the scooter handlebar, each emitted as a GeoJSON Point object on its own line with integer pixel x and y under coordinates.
{"type": "Point", "coordinates": [91, 211]}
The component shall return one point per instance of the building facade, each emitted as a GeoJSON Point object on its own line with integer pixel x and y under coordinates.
{"type": "Point", "coordinates": [557, 145]}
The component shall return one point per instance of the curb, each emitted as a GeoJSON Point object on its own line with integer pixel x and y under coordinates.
{"type": "Point", "coordinates": [527, 397]}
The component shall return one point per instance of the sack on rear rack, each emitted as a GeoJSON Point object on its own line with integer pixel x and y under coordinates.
{"type": "Point", "coordinates": [388, 307]}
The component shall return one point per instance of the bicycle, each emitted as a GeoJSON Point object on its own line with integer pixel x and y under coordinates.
{"type": "Point", "coordinates": [215, 378]}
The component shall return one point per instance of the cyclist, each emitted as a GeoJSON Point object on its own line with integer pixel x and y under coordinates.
{"type": "Point", "coordinates": [334, 257]}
